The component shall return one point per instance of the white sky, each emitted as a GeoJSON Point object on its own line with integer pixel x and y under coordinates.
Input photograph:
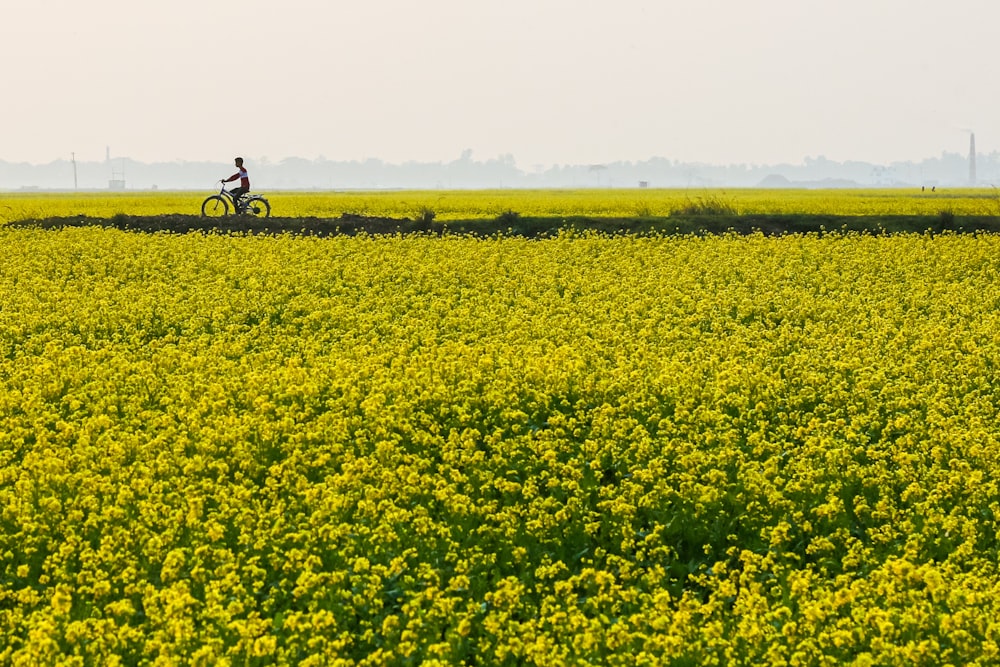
{"type": "Point", "coordinates": [548, 81]}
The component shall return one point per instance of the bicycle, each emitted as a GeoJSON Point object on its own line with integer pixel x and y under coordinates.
{"type": "Point", "coordinates": [218, 205]}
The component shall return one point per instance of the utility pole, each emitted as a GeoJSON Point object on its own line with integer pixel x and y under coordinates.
{"type": "Point", "coordinates": [74, 170]}
{"type": "Point", "coordinates": [972, 159]}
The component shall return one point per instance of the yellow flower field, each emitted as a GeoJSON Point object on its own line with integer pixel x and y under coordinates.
{"type": "Point", "coordinates": [484, 204]}
{"type": "Point", "coordinates": [249, 450]}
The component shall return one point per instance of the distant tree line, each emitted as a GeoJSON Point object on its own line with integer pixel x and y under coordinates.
{"type": "Point", "coordinates": [948, 170]}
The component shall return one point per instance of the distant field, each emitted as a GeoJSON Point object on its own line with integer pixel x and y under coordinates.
{"type": "Point", "coordinates": [484, 204]}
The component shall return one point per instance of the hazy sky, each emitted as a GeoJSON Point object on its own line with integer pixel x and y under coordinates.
{"type": "Point", "coordinates": [548, 81]}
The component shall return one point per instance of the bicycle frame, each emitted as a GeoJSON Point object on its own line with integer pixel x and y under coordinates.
{"type": "Point", "coordinates": [244, 200]}
{"type": "Point", "coordinates": [228, 195]}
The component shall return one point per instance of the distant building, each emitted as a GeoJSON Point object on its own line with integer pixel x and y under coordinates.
{"type": "Point", "coordinates": [117, 181]}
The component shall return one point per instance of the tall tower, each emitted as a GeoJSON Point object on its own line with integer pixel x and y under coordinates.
{"type": "Point", "coordinates": [972, 159]}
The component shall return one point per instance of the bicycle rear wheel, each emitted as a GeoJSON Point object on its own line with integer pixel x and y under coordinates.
{"type": "Point", "coordinates": [214, 207]}
{"type": "Point", "coordinates": [258, 206]}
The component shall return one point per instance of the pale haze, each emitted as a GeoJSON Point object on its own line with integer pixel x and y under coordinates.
{"type": "Point", "coordinates": [546, 81]}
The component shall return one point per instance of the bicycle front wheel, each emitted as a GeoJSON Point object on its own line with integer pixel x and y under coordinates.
{"type": "Point", "coordinates": [258, 206]}
{"type": "Point", "coordinates": [214, 207]}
